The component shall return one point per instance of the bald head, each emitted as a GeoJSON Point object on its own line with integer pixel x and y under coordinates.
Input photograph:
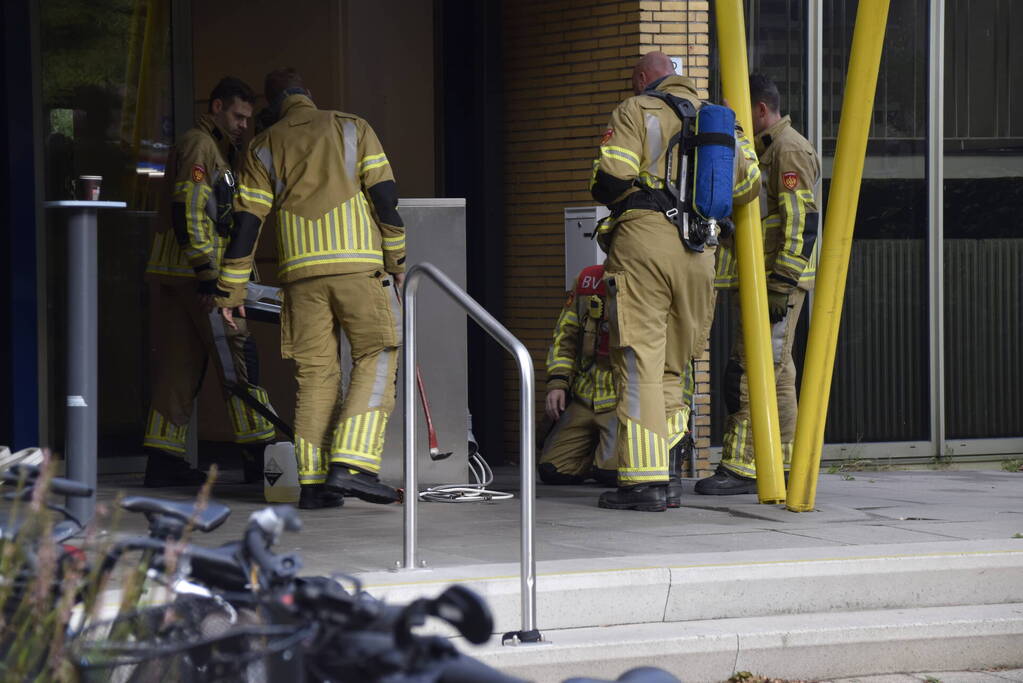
{"type": "Point", "coordinates": [651, 66]}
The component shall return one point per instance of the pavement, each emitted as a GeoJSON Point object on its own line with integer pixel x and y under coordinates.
{"type": "Point", "coordinates": [895, 571]}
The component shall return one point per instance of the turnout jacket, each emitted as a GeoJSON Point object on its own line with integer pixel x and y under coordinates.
{"type": "Point", "coordinates": [578, 357]}
{"type": "Point", "coordinates": [791, 169]}
{"type": "Point", "coordinates": [193, 248]}
{"type": "Point", "coordinates": [328, 179]}
{"type": "Point", "coordinates": [633, 148]}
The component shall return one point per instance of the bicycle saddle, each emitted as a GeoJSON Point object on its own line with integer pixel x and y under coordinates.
{"type": "Point", "coordinates": [207, 519]}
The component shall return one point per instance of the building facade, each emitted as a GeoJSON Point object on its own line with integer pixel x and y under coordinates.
{"type": "Point", "coordinates": [503, 103]}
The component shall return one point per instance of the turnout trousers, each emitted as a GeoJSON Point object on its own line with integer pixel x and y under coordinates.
{"type": "Point", "coordinates": [329, 427]}
{"type": "Point", "coordinates": [660, 298]}
{"type": "Point", "coordinates": [186, 339]}
{"type": "Point", "coordinates": [737, 443]}
{"type": "Point", "coordinates": [580, 439]}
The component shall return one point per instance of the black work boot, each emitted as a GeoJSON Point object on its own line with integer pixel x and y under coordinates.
{"type": "Point", "coordinates": [316, 496]}
{"type": "Point", "coordinates": [676, 455]}
{"type": "Point", "coordinates": [725, 482]}
{"type": "Point", "coordinates": [549, 474]}
{"type": "Point", "coordinates": [368, 487]}
{"type": "Point", "coordinates": [163, 470]}
{"type": "Point", "coordinates": [252, 462]}
{"type": "Point", "coordinates": [642, 497]}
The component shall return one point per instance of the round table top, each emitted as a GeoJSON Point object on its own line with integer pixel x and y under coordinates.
{"type": "Point", "coordinates": [83, 204]}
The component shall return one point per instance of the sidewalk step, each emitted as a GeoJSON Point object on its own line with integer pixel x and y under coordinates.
{"type": "Point", "coordinates": [644, 589]}
{"type": "Point", "coordinates": [804, 647]}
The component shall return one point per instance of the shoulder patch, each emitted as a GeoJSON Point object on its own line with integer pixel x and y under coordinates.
{"type": "Point", "coordinates": [608, 134]}
{"type": "Point", "coordinates": [198, 173]}
{"type": "Point", "coordinates": [570, 300]}
{"type": "Point", "coordinates": [790, 180]}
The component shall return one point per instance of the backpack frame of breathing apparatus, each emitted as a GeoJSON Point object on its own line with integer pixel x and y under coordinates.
{"type": "Point", "coordinates": [697, 193]}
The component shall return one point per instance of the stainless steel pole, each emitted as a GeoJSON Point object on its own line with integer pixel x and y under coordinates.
{"type": "Point", "coordinates": [527, 429]}
{"type": "Point", "coordinates": [527, 434]}
{"type": "Point", "coordinates": [82, 358]}
{"type": "Point", "coordinates": [409, 387]}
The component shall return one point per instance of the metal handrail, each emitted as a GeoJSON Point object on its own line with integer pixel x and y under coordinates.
{"type": "Point", "coordinates": [506, 339]}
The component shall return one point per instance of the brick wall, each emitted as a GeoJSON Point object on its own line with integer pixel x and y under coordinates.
{"type": "Point", "coordinates": [566, 66]}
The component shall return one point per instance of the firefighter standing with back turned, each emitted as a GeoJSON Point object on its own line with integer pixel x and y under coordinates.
{"type": "Point", "coordinates": [660, 290]}
{"type": "Point", "coordinates": [341, 254]}
{"type": "Point", "coordinates": [791, 169]}
{"type": "Point", "coordinates": [183, 267]}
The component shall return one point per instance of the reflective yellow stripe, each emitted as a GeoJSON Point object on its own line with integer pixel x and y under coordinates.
{"type": "Point", "coordinates": [393, 243]}
{"type": "Point", "coordinates": [236, 274]}
{"type": "Point", "coordinates": [372, 161]}
{"type": "Point", "coordinates": [359, 441]}
{"type": "Point", "coordinates": [254, 194]}
{"type": "Point", "coordinates": [621, 154]}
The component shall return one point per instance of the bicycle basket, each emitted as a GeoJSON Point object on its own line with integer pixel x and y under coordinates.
{"type": "Point", "coordinates": [194, 640]}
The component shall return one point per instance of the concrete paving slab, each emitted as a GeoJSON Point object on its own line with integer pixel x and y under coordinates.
{"type": "Point", "coordinates": [815, 647]}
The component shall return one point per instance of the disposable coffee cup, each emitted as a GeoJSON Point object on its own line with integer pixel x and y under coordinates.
{"type": "Point", "coordinates": [87, 187]}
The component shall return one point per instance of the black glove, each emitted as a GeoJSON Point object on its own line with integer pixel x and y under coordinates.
{"type": "Point", "coordinates": [777, 305]}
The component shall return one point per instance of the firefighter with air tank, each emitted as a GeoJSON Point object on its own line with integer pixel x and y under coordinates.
{"type": "Point", "coordinates": [665, 218]}
{"type": "Point", "coordinates": [790, 170]}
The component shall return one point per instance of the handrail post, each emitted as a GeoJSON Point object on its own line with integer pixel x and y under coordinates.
{"type": "Point", "coordinates": [411, 499]}
{"type": "Point", "coordinates": [529, 632]}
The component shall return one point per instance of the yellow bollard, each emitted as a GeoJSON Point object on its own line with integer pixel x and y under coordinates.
{"type": "Point", "coordinates": [853, 130]}
{"type": "Point", "coordinates": [749, 251]}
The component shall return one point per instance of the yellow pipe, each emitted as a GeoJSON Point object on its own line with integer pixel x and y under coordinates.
{"type": "Point", "coordinates": [853, 130]}
{"type": "Point", "coordinates": [749, 249]}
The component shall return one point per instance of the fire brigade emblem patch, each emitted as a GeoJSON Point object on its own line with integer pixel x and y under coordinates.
{"type": "Point", "coordinates": [198, 173]}
{"type": "Point", "coordinates": [608, 134]}
{"type": "Point", "coordinates": [570, 300]}
{"type": "Point", "coordinates": [790, 180]}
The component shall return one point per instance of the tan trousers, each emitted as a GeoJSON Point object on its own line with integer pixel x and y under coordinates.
{"type": "Point", "coordinates": [580, 439]}
{"type": "Point", "coordinates": [660, 298]}
{"type": "Point", "coordinates": [186, 338]}
{"type": "Point", "coordinates": [329, 428]}
{"type": "Point", "coordinates": [737, 446]}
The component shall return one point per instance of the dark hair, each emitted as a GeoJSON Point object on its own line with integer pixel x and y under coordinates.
{"type": "Point", "coordinates": [763, 89]}
{"type": "Point", "coordinates": [228, 89]}
{"type": "Point", "coordinates": [279, 80]}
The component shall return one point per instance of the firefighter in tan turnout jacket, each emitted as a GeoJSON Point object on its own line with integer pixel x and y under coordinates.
{"type": "Point", "coordinates": [580, 389]}
{"type": "Point", "coordinates": [341, 256]}
{"type": "Point", "coordinates": [791, 170]}
{"type": "Point", "coordinates": [183, 267]}
{"type": "Point", "coordinates": [660, 292]}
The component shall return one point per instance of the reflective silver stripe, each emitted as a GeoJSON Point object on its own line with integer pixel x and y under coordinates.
{"type": "Point", "coordinates": [332, 228]}
{"type": "Point", "coordinates": [351, 138]}
{"type": "Point", "coordinates": [653, 142]}
{"type": "Point", "coordinates": [342, 256]}
{"type": "Point", "coordinates": [266, 158]}
{"type": "Point", "coordinates": [219, 329]}
{"type": "Point", "coordinates": [632, 407]}
{"type": "Point", "coordinates": [380, 382]}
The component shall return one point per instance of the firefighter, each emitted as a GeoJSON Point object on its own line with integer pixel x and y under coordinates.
{"type": "Point", "coordinates": [660, 288]}
{"type": "Point", "coordinates": [580, 390]}
{"type": "Point", "coordinates": [341, 258]}
{"type": "Point", "coordinates": [581, 395]}
{"type": "Point", "coordinates": [791, 169]}
{"type": "Point", "coordinates": [183, 267]}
